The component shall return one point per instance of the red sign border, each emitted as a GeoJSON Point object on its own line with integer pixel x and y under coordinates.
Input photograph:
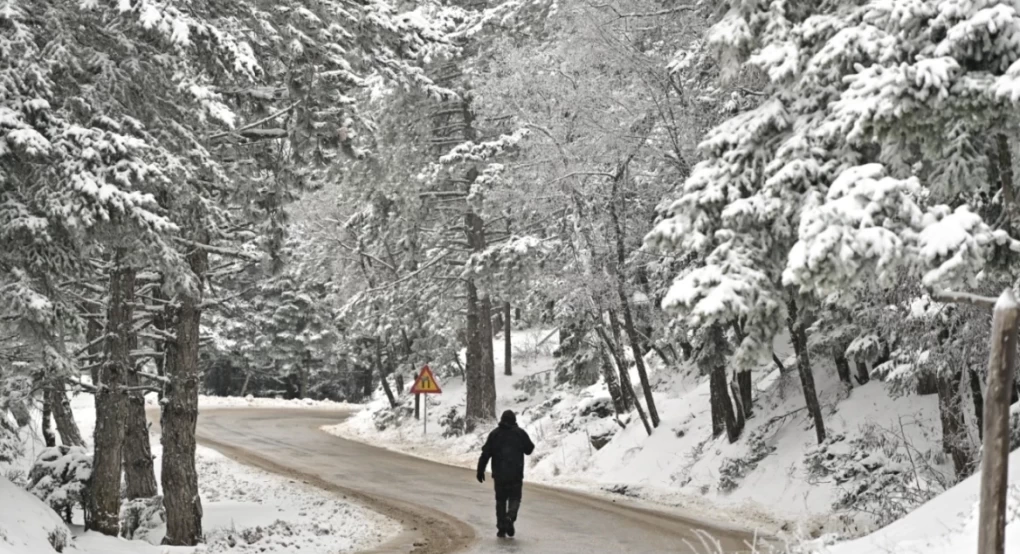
{"type": "Point", "coordinates": [424, 370]}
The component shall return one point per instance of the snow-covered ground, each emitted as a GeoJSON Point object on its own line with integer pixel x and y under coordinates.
{"type": "Point", "coordinates": [775, 479]}
{"type": "Point", "coordinates": [945, 525]}
{"type": "Point", "coordinates": [245, 510]}
{"type": "Point", "coordinates": [220, 402]}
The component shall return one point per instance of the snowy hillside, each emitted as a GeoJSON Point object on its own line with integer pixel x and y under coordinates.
{"type": "Point", "coordinates": [774, 479]}
{"type": "Point", "coordinates": [946, 525]}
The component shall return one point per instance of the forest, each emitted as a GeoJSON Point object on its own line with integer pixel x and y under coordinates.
{"type": "Point", "coordinates": [312, 199]}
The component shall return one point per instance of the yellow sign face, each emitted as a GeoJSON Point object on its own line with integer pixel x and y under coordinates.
{"type": "Point", "coordinates": [426, 383]}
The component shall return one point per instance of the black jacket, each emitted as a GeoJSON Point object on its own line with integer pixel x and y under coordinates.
{"type": "Point", "coordinates": [506, 446]}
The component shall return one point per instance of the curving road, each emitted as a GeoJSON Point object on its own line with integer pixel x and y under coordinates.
{"type": "Point", "coordinates": [442, 508]}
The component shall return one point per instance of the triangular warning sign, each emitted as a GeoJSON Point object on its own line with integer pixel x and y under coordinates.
{"type": "Point", "coordinates": [426, 383]}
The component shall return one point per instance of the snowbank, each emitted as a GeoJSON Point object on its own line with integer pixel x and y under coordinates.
{"type": "Point", "coordinates": [245, 510]}
{"type": "Point", "coordinates": [771, 480]}
{"type": "Point", "coordinates": [249, 401]}
{"type": "Point", "coordinates": [945, 525]}
{"type": "Point", "coordinates": [27, 526]}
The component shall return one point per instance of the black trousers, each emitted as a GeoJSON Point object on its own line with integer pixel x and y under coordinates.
{"type": "Point", "coordinates": [508, 501]}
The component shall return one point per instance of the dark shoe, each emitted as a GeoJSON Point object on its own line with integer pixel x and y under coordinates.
{"type": "Point", "coordinates": [510, 528]}
{"type": "Point", "coordinates": [501, 534]}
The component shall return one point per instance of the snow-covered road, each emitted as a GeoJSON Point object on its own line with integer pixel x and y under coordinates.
{"type": "Point", "coordinates": [443, 508]}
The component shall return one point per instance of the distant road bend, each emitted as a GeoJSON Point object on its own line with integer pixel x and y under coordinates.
{"type": "Point", "coordinates": [442, 508]}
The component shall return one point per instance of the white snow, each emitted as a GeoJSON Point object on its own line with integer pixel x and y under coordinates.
{"type": "Point", "coordinates": [26, 524]}
{"type": "Point", "coordinates": [245, 510]}
{"type": "Point", "coordinates": [220, 402]}
{"type": "Point", "coordinates": [945, 525]}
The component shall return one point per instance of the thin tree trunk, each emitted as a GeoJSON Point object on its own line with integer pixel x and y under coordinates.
{"type": "Point", "coordinates": [628, 318]}
{"type": "Point", "coordinates": [746, 396]}
{"type": "Point", "coordinates": [798, 333]}
{"type": "Point", "coordinates": [180, 417]}
{"type": "Point", "coordinates": [383, 374]}
{"type": "Point", "coordinates": [244, 387]}
{"type": "Point", "coordinates": [610, 375]}
{"type": "Point", "coordinates": [1005, 170]}
{"type": "Point", "coordinates": [954, 427]}
{"type": "Point", "coordinates": [507, 349]}
{"type": "Point", "coordinates": [93, 330]}
{"type": "Point", "coordinates": [779, 363]}
{"type": "Point", "coordinates": [159, 321]}
{"type": "Point", "coordinates": [740, 418]}
{"type": "Point", "coordinates": [862, 372]}
{"type": "Point", "coordinates": [639, 360]}
{"type": "Point", "coordinates": [616, 348]}
{"type": "Point", "coordinates": [64, 418]}
{"type": "Point", "coordinates": [47, 426]}
{"type": "Point", "coordinates": [842, 365]}
{"type": "Point", "coordinates": [111, 405]}
{"type": "Point", "coordinates": [488, 352]}
{"type": "Point", "coordinates": [712, 360]}
{"type": "Point", "coordinates": [303, 381]}
{"type": "Point", "coordinates": [979, 402]}
{"type": "Point", "coordinates": [474, 409]}
{"type": "Point", "coordinates": [627, 388]}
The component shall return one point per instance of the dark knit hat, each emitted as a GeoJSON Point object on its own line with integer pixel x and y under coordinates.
{"type": "Point", "coordinates": [508, 418]}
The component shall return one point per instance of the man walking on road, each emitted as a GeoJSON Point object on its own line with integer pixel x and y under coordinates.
{"type": "Point", "coordinates": [506, 447]}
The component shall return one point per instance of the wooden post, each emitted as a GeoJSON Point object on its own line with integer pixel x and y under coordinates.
{"type": "Point", "coordinates": [995, 461]}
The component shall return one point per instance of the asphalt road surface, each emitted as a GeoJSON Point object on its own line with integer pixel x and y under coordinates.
{"type": "Point", "coordinates": [443, 508]}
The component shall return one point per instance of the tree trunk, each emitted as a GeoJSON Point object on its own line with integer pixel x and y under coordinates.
{"type": "Point", "coordinates": [738, 427]}
{"type": "Point", "coordinates": [616, 348]}
{"type": "Point", "coordinates": [746, 395]}
{"type": "Point", "coordinates": [139, 473]}
{"type": "Point", "coordinates": [388, 390]}
{"type": "Point", "coordinates": [180, 416]}
{"type": "Point", "coordinates": [627, 388]}
{"type": "Point", "coordinates": [111, 406]}
{"type": "Point", "coordinates": [94, 330]}
{"type": "Point", "coordinates": [1005, 171]}
{"type": "Point", "coordinates": [47, 427]}
{"type": "Point", "coordinates": [628, 317]}
{"type": "Point", "coordinates": [480, 379]}
{"type": "Point", "coordinates": [383, 374]}
{"type": "Point", "coordinates": [979, 402]}
{"type": "Point", "coordinates": [712, 360]}
{"type": "Point", "coordinates": [398, 380]}
{"type": "Point", "coordinates": [954, 427]}
{"type": "Point", "coordinates": [64, 418]}
{"type": "Point", "coordinates": [488, 350]}
{"type": "Point", "coordinates": [610, 376]}
{"type": "Point", "coordinates": [474, 379]}
{"type": "Point", "coordinates": [496, 322]}
{"type": "Point", "coordinates": [639, 360]}
{"type": "Point", "coordinates": [244, 387]}
{"type": "Point", "coordinates": [159, 321]}
{"type": "Point", "coordinates": [798, 333]}
{"type": "Point", "coordinates": [862, 372]}
{"type": "Point", "coordinates": [842, 365]}
{"type": "Point", "coordinates": [507, 348]}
